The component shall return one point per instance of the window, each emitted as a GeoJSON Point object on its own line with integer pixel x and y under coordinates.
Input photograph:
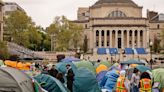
{"type": "Point", "coordinates": [107, 43]}
{"type": "Point", "coordinates": [158, 26]}
{"type": "Point", "coordinates": [86, 26]}
{"type": "Point", "coordinates": [108, 33]}
{"type": "Point", "coordinates": [97, 43]}
{"type": "Point", "coordinates": [102, 33]}
{"type": "Point", "coordinates": [117, 13]}
{"type": "Point", "coordinates": [97, 33]}
{"type": "Point", "coordinates": [102, 43]}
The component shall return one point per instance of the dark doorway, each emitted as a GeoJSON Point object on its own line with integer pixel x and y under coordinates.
{"type": "Point", "coordinates": [119, 42]}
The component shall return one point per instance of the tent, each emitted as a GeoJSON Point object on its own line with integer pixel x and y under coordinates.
{"type": "Point", "coordinates": [106, 63]}
{"type": "Point", "coordinates": [61, 66]}
{"type": "Point", "coordinates": [51, 84]}
{"type": "Point", "coordinates": [100, 75]}
{"type": "Point", "coordinates": [109, 80]}
{"type": "Point", "coordinates": [100, 68]}
{"type": "Point", "coordinates": [13, 80]}
{"type": "Point", "coordinates": [85, 81]}
{"type": "Point", "coordinates": [70, 59]}
{"type": "Point", "coordinates": [143, 68]}
{"type": "Point", "coordinates": [158, 75]}
{"type": "Point", "coordinates": [132, 61]}
{"type": "Point", "coordinates": [85, 64]}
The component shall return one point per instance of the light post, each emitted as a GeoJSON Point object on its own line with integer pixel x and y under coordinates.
{"type": "Point", "coordinates": [115, 54]}
{"type": "Point", "coordinates": [78, 52]}
{"type": "Point", "coordinates": [151, 61]}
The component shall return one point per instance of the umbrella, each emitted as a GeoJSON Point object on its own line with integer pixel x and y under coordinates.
{"type": "Point", "coordinates": [70, 59]}
{"type": "Point", "coordinates": [132, 61]}
{"type": "Point", "coordinates": [100, 75]}
{"type": "Point", "coordinates": [143, 68]}
{"type": "Point", "coordinates": [85, 64]}
{"type": "Point", "coordinates": [61, 66]}
{"type": "Point", "coordinates": [51, 84]}
{"type": "Point", "coordinates": [100, 68]}
{"type": "Point", "coordinates": [85, 81]}
{"type": "Point", "coordinates": [158, 75]}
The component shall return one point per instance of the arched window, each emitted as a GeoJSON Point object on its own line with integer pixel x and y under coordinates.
{"type": "Point", "coordinates": [117, 13]}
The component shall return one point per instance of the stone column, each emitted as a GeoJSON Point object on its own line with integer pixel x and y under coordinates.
{"type": "Point", "coordinates": [105, 38]}
{"type": "Point", "coordinates": [122, 39]}
{"type": "Point", "coordinates": [94, 38]}
{"type": "Point", "coordinates": [116, 39]}
{"type": "Point", "coordinates": [144, 38]}
{"type": "Point", "coordinates": [127, 39]}
{"type": "Point", "coordinates": [110, 38]}
{"type": "Point", "coordinates": [99, 38]}
{"type": "Point", "coordinates": [1, 31]}
{"type": "Point", "coordinates": [133, 38]}
{"type": "Point", "coordinates": [138, 39]}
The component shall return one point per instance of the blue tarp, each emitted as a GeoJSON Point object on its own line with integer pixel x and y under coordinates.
{"type": "Point", "coordinates": [113, 51]}
{"type": "Point", "coordinates": [85, 81]}
{"type": "Point", "coordinates": [101, 51]}
{"type": "Point", "coordinates": [141, 51]}
{"type": "Point", "coordinates": [51, 83]}
{"type": "Point", "coordinates": [129, 51]}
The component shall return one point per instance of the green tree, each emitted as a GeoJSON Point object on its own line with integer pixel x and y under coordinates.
{"type": "Point", "coordinates": [162, 37]}
{"type": "Point", "coordinates": [156, 45]}
{"type": "Point", "coordinates": [68, 35]}
{"type": "Point", "coordinates": [85, 44]}
{"type": "Point", "coordinates": [3, 51]}
{"type": "Point", "coordinates": [16, 24]}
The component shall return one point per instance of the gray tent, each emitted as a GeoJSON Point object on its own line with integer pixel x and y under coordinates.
{"type": "Point", "coordinates": [13, 80]}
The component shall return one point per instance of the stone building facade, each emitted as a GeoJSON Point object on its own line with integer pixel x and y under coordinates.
{"type": "Point", "coordinates": [116, 24]}
{"type": "Point", "coordinates": [1, 21]}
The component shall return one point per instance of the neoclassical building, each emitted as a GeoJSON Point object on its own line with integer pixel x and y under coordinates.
{"type": "Point", "coordinates": [114, 24]}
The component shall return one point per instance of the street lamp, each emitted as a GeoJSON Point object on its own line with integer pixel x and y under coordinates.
{"type": "Point", "coordinates": [151, 61]}
{"type": "Point", "coordinates": [115, 54]}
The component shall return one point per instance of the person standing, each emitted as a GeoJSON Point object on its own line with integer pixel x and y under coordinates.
{"type": "Point", "coordinates": [135, 80]}
{"type": "Point", "coordinates": [70, 77]}
{"type": "Point", "coordinates": [122, 83]}
{"type": "Point", "coordinates": [145, 83]}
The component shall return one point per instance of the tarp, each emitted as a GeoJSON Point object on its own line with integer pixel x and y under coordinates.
{"type": "Point", "coordinates": [70, 59]}
{"type": "Point", "coordinates": [85, 81]}
{"type": "Point", "coordinates": [158, 75]}
{"type": "Point", "coordinates": [86, 64]}
{"type": "Point", "coordinates": [100, 68]}
{"type": "Point", "coordinates": [109, 80]}
{"type": "Point", "coordinates": [132, 61]}
{"type": "Point", "coordinates": [143, 68]}
{"type": "Point", "coordinates": [51, 84]}
{"type": "Point", "coordinates": [13, 80]}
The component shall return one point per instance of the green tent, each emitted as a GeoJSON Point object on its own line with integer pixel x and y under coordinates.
{"type": "Point", "coordinates": [51, 84]}
{"type": "Point", "coordinates": [158, 75]}
{"type": "Point", "coordinates": [86, 64]}
{"type": "Point", "coordinates": [85, 81]}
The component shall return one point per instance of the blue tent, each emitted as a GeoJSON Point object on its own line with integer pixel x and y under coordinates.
{"type": "Point", "coordinates": [85, 81]}
{"type": "Point", "coordinates": [70, 59]}
{"type": "Point", "coordinates": [51, 84]}
{"type": "Point", "coordinates": [100, 76]}
{"type": "Point", "coordinates": [109, 81]}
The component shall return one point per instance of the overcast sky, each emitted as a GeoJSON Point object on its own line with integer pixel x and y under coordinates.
{"type": "Point", "coordinates": [44, 11]}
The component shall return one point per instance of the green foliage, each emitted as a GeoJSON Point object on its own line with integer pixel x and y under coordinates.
{"type": "Point", "coordinates": [24, 32]}
{"type": "Point", "coordinates": [68, 35]}
{"type": "Point", "coordinates": [156, 45]}
{"type": "Point", "coordinates": [162, 37]}
{"type": "Point", "coordinates": [85, 44]}
{"type": "Point", "coordinates": [3, 51]}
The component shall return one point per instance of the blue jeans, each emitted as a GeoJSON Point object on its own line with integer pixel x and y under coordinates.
{"type": "Point", "coordinates": [135, 89]}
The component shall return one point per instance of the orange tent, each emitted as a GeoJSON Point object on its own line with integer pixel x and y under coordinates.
{"type": "Point", "coordinates": [18, 65]}
{"type": "Point", "coordinates": [100, 68]}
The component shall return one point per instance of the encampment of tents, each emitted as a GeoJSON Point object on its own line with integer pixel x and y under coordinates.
{"type": "Point", "coordinates": [13, 80]}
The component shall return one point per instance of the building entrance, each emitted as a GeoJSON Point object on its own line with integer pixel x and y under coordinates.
{"type": "Point", "coordinates": [119, 43]}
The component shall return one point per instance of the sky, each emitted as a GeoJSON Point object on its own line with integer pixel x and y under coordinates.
{"type": "Point", "coordinates": [43, 12]}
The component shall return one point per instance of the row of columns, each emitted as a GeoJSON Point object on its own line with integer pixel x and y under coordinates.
{"type": "Point", "coordinates": [138, 40]}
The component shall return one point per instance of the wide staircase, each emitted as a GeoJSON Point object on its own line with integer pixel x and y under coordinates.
{"type": "Point", "coordinates": [21, 51]}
